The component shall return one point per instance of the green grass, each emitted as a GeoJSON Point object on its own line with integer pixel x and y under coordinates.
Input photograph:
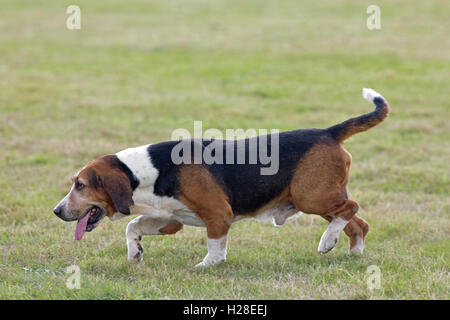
{"type": "Point", "coordinates": [139, 69]}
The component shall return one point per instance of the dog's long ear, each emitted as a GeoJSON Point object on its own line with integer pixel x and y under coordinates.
{"type": "Point", "coordinates": [118, 188]}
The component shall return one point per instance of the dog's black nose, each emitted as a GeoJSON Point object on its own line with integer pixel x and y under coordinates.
{"type": "Point", "coordinates": [57, 211]}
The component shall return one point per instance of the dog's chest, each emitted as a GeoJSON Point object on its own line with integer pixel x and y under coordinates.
{"type": "Point", "coordinates": [145, 196]}
{"type": "Point", "coordinates": [149, 204]}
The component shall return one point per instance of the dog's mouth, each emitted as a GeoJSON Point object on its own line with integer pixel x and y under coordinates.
{"type": "Point", "coordinates": [88, 222]}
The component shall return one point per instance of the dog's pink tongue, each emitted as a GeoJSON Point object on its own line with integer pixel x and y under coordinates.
{"type": "Point", "coordinates": [81, 227]}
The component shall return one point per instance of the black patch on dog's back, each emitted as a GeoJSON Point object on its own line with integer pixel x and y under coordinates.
{"type": "Point", "coordinates": [249, 190]}
{"type": "Point", "coordinates": [167, 182]}
{"type": "Point", "coordinates": [244, 185]}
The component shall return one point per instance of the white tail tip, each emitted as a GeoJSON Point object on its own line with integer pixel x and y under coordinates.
{"type": "Point", "coordinates": [370, 94]}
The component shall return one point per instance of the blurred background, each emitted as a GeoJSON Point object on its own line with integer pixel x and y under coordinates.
{"type": "Point", "coordinates": [138, 69]}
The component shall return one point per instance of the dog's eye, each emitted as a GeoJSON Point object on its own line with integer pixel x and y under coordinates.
{"type": "Point", "coordinates": [79, 186]}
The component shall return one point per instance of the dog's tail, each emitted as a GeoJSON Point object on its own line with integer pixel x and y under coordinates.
{"type": "Point", "coordinates": [362, 123]}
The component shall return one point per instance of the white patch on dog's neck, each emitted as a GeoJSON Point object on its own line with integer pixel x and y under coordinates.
{"type": "Point", "coordinates": [139, 162]}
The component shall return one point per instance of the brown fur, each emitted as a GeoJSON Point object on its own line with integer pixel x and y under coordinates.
{"type": "Point", "coordinates": [319, 187]}
{"type": "Point", "coordinates": [320, 181]}
{"type": "Point", "coordinates": [201, 193]}
{"type": "Point", "coordinates": [105, 186]}
{"type": "Point", "coordinates": [171, 228]}
{"type": "Point", "coordinates": [362, 123]}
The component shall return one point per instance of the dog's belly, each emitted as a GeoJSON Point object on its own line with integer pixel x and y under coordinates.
{"type": "Point", "coordinates": [146, 203]}
{"type": "Point", "coordinates": [278, 214]}
{"type": "Point", "coordinates": [188, 218]}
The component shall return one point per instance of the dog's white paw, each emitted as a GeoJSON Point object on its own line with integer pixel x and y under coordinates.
{"type": "Point", "coordinates": [331, 235]}
{"type": "Point", "coordinates": [135, 251]}
{"type": "Point", "coordinates": [358, 248]}
{"type": "Point", "coordinates": [202, 264]}
{"type": "Point", "coordinates": [327, 243]}
{"type": "Point", "coordinates": [278, 221]}
{"type": "Point", "coordinates": [209, 262]}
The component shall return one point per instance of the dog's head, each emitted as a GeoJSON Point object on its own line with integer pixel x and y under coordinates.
{"type": "Point", "coordinates": [102, 188]}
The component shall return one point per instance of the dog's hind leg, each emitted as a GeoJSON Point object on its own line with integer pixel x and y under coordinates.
{"type": "Point", "coordinates": [356, 230]}
{"type": "Point", "coordinates": [340, 217]}
{"type": "Point", "coordinates": [319, 186]}
{"type": "Point", "coordinates": [145, 225]}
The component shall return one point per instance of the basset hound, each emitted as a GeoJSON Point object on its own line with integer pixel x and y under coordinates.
{"type": "Point", "coordinates": [312, 178]}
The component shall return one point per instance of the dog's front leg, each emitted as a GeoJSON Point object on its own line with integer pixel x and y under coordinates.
{"type": "Point", "coordinates": [217, 227]}
{"type": "Point", "coordinates": [145, 225]}
{"type": "Point", "coordinates": [217, 252]}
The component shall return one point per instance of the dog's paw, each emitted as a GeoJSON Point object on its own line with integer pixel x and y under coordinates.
{"type": "Point", "coordinates": [202, 264]}
{"type": "Point", "coordinates": [327, 244]}
{"type": "Point", "coordinates": [135, 252]}
{"type": "Point", "coordinates": [208, 263]}
{"type": "Point", "coordinates": [331, 235]}
{"type": "Point", "coordinates": [279, 220]}
{"type": "Point", "coordinates": [358, 248]}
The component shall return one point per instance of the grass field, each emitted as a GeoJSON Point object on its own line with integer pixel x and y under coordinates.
{"type": "Point", "coordinates": [139, 69]}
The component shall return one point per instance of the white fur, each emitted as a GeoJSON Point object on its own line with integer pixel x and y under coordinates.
{"type": "Point", "coordinates": [217, 252]}
{"type": "Point", "coordinates": [331, 235]}
{"type": "Point", "coordinates": [136, 228]}
{"type": "Point", "coordinates": [146, 202]}
{"type": "Point", "coordinates": [188, 218]}
{"type": "Point", "coordinates": [63, 202]}
{"type": "Point", "coordinates": [359, 246]}
{"type": "Point", "coordinates": [278, 214]}
{"type": "Point", "coordinates": [370, 94]}
{"type": "Point", "coordinates": [139, 162]}
{"type": "Point", "coordinates": [132, 234]}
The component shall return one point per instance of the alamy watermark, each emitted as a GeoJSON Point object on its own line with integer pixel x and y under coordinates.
{"type": "Point", "coordinates": [373, 277]}
{"type": "Point", "coordinates": [238, 147]}
{"type": "Point", "coordinates": [74, 280]}
{"type": "Point", "coordinates": [73, 22]}
{"type": "Point", "coordinates": [374, 20]}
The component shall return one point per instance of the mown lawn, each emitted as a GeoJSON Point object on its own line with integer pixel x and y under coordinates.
{"type": "Point", "coordinates": [139, 69]}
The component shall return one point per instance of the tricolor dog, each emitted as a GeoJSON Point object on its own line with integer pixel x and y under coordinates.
{"type": "Point", "coordinates": [312, 178]}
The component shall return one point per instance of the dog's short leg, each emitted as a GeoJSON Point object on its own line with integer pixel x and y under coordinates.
{"type": "Point", "coordinates": [340, 217]}
{"type": "Point", "coordinates": [217, 252]}
{"type": "Point", "coordinates": [217, 230]}
{"type": "Point", "coordinates": [357, 230]}
{"type": "Point", "coordinates": [134, 235]}
{"type": "Point", "coordinates": [331, 235]}
{"type": "Point", "coordinates": [201, 193]}
{"type": "Point", "coordinates": [217, 227]}
{"type": "Point", "coordinates": [145, 225]}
